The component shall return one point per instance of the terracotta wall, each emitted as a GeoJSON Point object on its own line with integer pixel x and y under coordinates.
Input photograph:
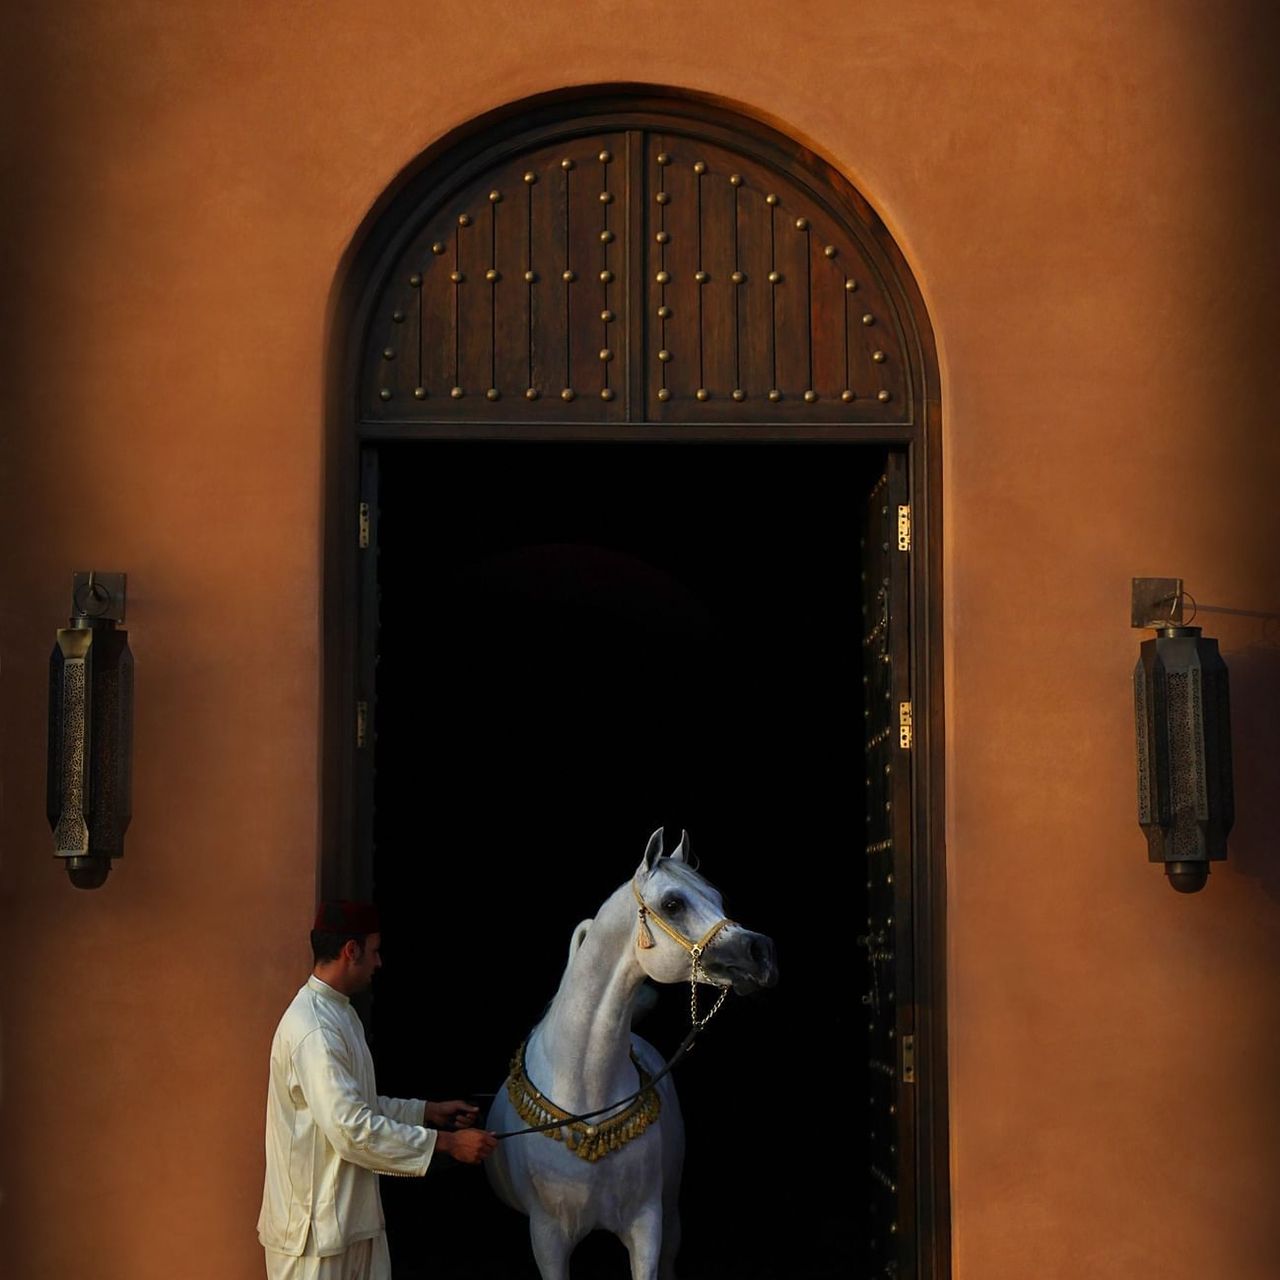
{"type": "Point", "coordinates": [1086, 192]}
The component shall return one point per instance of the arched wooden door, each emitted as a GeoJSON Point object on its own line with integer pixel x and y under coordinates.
{"type": "Point", "coordinates": [642, 268]}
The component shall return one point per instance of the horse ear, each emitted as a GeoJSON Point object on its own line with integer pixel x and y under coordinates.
{"type": "Point", "coordinates": [579, 936]}
{"type": "Point", "coordinates": [682, 852]}
{"type": "Point", "coordinates": [653, 850]}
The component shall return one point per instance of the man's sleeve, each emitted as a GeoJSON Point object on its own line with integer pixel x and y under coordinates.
{"type": "Point", "coordinates": [406, 1110]}
{"type": "Point", "coordinates": [357, 1132]}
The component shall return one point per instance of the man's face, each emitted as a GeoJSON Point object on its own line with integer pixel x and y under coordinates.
{"type": "Point", "coordinates": [367, 963]}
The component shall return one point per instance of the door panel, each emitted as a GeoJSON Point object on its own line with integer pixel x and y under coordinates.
{"type": "Point", "coordinates": [888, 996]}
{"type": "Point", "coordinates": [758, 298]}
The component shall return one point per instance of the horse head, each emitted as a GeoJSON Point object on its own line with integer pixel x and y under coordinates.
{"type": "Point", "coordinates": [682, 927]}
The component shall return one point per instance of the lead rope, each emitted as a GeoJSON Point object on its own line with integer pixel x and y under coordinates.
{"type": "Point", "coordinates": [685, 1045]}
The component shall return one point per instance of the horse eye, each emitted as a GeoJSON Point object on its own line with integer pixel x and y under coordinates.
{"type": "Point", "coordinates": [672, 905]}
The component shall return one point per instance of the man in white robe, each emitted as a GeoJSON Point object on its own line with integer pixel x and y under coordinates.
{"type": "Point", "coordinates": [329, 1133]}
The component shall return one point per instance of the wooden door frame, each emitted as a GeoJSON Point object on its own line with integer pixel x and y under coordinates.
{"type": "Point", "coordinates": [344, 864]}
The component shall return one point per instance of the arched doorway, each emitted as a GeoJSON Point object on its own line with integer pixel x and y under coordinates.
{"type": "Point", "coordinates": [634, 494]}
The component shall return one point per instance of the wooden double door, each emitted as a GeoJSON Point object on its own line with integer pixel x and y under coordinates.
{"type": "Point", "coordinates": [638, 503]}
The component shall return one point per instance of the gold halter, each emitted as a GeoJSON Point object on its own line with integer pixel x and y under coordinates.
{"type": "Point", "coordinates": [644, 939]}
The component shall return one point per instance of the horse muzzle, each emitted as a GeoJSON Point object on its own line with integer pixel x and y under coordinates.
{"type": "Point", "coordinates": [744, 960]}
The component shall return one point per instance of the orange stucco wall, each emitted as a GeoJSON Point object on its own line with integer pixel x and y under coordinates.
{"type": "Point", "coordinates": [1086, 193]}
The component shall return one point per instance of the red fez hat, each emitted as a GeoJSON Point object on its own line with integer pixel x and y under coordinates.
{"type": "Point", "coordinates": [340, 916]}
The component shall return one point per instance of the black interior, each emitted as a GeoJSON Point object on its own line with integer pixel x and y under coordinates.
{"type": "Point", "coordinates": [580, 643]}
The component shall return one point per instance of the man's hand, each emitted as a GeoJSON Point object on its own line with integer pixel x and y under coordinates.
{"type": "Point", "coordinates": [469, 1146]}
{"type": "Point", "coordinates": [458, 1115]}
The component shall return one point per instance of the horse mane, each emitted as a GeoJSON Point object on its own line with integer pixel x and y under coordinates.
{"type": "Point", "coordinates": [575, 943]}
{"type": "Point", "coordinates": [646, 997]}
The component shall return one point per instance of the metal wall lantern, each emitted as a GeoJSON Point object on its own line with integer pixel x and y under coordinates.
{"type": "Point", "coordinates": [91, 730]}
{"type": "Point", "coordinates": [1186, 804]}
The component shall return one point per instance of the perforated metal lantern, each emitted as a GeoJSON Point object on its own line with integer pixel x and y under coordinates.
{"type": "Point", "coordinates": [89, 780]}
{"type": "Point", "coordinates": [1185, 800]}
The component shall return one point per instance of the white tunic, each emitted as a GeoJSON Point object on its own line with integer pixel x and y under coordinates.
{"type": "Point", "coordinates": [328, 1132]}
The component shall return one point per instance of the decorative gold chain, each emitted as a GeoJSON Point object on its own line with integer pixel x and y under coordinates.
{"type": "Point", "coordinates": [587, 1141]}
{"type": "Point", "coordinates": [696, 953]}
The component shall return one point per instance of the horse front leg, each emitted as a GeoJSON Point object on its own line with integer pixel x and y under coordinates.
{"type": "Point", "coordinates": [643, 1239]}
{"type": "Point", "coordinates": [552, 1244]}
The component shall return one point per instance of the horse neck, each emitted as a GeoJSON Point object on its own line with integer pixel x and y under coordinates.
{"type": "Point", "coordinates": [579, 1054]}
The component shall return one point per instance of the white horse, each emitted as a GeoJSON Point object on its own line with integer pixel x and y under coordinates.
{"type": "Point", "coordinates": [620, 1170]}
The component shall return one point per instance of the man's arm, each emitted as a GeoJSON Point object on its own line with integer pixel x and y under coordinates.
{"type": "Point", "coordinates": [357, 1132]}
{"type": "Point", "coordinates": [406, 1110]}
{"type": "Point", "coordinates": [454, 1114]}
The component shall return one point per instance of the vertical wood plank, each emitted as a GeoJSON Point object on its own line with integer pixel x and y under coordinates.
{"type": "Point", "coordinates": [511, 292]}
{"type": "Point", "coordinates": [438, 335]}
{"type": "Point", "coordinates": [612, 275]}
{"type": "Point", "coordinates": [586, 292]}
{"type": "Point", "coordinates": [549, 261]}
{"type": "Point", "coordinates": [791, 298]}
{"type": "Point", "coordinates": [679, 218]}
{"type": "Point", "coordinates": [755, 294]}
{"type": "Point", "coordinates": [827, 307]}
{"type": "Point", "coordinates": [635, 313]}
{"type": "Point", "coordinates": [475, 315]}
{"type": "Point", "coordinates": [719, 319]}
{"type": "Point", "coordinates": [394, 329]}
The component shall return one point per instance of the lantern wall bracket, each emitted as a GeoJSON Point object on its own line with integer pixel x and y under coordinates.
{"type": "Point", "coordinates": [97, 597]}
{"type": "Point", "coordinates": [1157, 602]}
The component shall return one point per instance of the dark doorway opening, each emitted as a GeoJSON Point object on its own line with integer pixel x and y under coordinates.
{"type": "Point", "coordinates": [578, 643]}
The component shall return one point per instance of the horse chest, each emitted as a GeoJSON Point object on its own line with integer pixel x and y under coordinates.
{"type": "Point", "coordinates": [606, 1193]}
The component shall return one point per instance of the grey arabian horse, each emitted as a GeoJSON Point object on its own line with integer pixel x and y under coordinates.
{"type": "Point", "coordinates": [619, 1169]}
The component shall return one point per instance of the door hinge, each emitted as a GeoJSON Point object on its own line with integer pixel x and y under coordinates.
{"type": "Point", "coordinates": [362, 724]}
{"type": "Point", "coordinates": [364, 525]}
{"type": "Point", "coordinates": [908, 1059]}
{"type": "Point", "coordinates": [904, 528]}
{"type": "Point", "coordinates": [905, 734]}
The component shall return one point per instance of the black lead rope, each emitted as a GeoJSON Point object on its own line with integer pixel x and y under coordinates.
{"type": "Point", "coordinates": [685, 1045]}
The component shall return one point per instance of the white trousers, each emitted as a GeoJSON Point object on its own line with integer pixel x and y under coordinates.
{"type": "Point", "coordinates": [364, 1260]}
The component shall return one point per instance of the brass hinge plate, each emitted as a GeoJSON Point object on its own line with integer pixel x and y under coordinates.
{"type": "Point", "coordinates": [905, 728]}
{"type": "Point", "coordinates": [362, 724]}
{"type": "Point", "coordinates": [908, 1059]}
{"type": "Point", "coordinates": [904, 528]}
{"type": "Point", "coordinates": [364, 526]}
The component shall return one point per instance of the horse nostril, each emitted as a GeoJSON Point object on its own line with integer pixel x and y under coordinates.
{"type": "Point", "coordinates": [761, 950]}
